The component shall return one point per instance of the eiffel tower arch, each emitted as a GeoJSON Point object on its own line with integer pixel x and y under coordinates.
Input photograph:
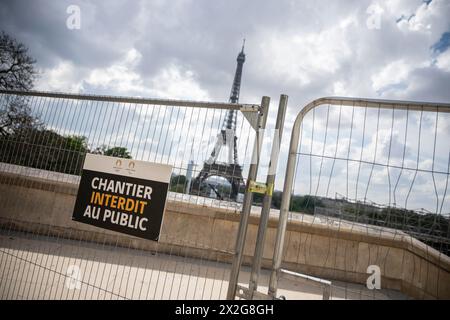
{"type": "Point", "coordinates": [231, 170]}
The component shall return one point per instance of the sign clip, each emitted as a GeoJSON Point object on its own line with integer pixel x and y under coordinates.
{"type": "Point", "coordinates": [259, 187]}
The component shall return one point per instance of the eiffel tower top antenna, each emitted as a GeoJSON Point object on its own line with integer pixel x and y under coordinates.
{"type": "Point", "coordinates": [230, 119]}
{"type": "Point", "coordinates": [236, 87]}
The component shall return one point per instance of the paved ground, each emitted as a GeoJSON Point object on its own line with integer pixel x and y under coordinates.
{"type": "Point", "coordinates": [38, 267]}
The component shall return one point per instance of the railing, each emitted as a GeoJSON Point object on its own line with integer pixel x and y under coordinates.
{"type": "Point", "coordinates": [374, 172]}
{"type": "Point", "coordinates": [391, 153]}
{"type": "Point", "coordinates": [43, 140]}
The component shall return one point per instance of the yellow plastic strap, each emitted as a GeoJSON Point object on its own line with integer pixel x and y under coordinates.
{"type": "Point", "coordinates": [257, 187]}
{"type": "Point", "coordinates": [269, 191]}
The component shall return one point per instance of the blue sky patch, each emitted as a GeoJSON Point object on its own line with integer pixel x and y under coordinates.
{"type": "Point", "coordinates": [442, 44]}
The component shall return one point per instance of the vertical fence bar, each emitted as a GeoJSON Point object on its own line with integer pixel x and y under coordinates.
{"type": "Point", "coordinates": [284, 209]}
{"type": "Point", "coordinates": [267, 201]}
{"type": "Point", "coordinates": [248, 200]}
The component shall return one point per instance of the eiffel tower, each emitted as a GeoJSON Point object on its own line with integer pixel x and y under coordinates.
{"type": "Point", "coordinates": [231, 171]}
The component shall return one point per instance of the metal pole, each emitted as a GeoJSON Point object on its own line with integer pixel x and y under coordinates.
{"type": "Point", "coordinates": [267, 201]}
{"type": "Point", "coordinates": [247, 205]}
{"type": "Point", "coordinates": [285, 201]}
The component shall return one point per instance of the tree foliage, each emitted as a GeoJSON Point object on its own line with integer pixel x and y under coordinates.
{"type": "Point", "coordinates": [16, 117]}
{"type": "Point", "coordinates": [44, 149]}
{"type": "Point", "coordinates": [120, 152]}
{"type": "Point", "coordinates": [17, 70]}
{"type": "Point", "coordinates": [178, 183]}
{"type": "Point", "coordinates": [24, 140]}
{"type": "Point", "coordinates": [303, 204]}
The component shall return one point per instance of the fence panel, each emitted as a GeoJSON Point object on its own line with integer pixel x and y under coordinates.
{"type": "Point", "coordinates": [367, 181]}
{"type": "Point", "coordinates": [44, 255]}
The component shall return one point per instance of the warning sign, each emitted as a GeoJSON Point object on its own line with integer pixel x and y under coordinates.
{"type": "Point", "coordinates": [123, 195]}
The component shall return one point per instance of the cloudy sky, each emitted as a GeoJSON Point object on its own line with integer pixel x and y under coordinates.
{"type": "Point", "coordinates": [186, 49]}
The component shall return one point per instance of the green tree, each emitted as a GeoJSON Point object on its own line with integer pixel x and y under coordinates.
{"type": "Point", "coordinates": [305, 204]}
{"type": "Point", "coordinates": [44, 149]}
{"type": "Point", "coordinates": [120, 152]}
{"type": "Point", "coordinates": [178, 183]}
{"type": "Point", "coordinates": [17, 72]}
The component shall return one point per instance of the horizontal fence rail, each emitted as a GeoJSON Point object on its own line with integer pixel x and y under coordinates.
{"type": "Point", "coordinates": [44, 138]}
{"type": "Point", "coordinates": [134, 100]}
{"type": "Point", "coordinates": [377, 170]}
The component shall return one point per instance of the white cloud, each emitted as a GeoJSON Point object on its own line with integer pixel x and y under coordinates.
{"type": "Point", "coordinates": [174, 83]}
{"type": "Point", "coordinates": [120, 76]}
{"type": "Point", "coordinates": [63, 77]}
{"type": "Point", "coordinates": [426, 18]}
{"type": "Point", "coordinates": [443, 61]}
{"type": "Point", "coordinates": [123, 78]}
{"type": "Point", "coordinates": [298, 58]}
{"type": "Point", "coordinates": [420, 21]}
{"type": "Point", "coordinates": [339, 89]}
{"type": "Point", "coordinates": [392, 74]}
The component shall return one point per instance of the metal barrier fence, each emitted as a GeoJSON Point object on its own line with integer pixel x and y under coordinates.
{"type": "Point", "coordinates": [44, 138]}
{"type": "Point", "coordinates": [364, 166]}
{"type": "Point", "coordinates": [372, 167]}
